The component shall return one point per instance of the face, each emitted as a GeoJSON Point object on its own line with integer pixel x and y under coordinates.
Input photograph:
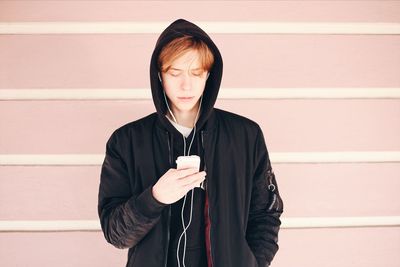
{"type": "Point", "coordinates": [184, 82]}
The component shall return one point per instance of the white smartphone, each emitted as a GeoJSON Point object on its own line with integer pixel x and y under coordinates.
{"type": "Point", "coordinates": [184, 162]}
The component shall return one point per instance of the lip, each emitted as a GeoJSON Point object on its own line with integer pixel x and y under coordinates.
{"type": "Point", "coordinates": [186, 98]}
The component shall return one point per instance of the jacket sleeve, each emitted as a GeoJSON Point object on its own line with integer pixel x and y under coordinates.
{"type": "Point", "coordinates": [125, 218]}
{"type": "Point", "coordinates": [266, 207]}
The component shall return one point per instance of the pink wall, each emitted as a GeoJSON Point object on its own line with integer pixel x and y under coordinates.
{"type": "Point", "coordinates": [107, 61]}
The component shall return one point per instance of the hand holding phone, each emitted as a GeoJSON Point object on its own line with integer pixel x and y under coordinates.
{"type": "Point", "coordinates": [185, 162]}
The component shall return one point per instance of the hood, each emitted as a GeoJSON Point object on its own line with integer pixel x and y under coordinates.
{"type": "Point", "coordinates": [176, 29]}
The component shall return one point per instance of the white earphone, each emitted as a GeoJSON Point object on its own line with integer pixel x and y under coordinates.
{"type": "Point", "coordinates": [159, 77]}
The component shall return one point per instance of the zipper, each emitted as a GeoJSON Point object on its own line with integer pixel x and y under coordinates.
{"type": "Point", "coordinates": [209, 235]}
{"type": "Point", "coordinates": [279, 203]}
{"type": "Point", "coordinates": [209, 214]}
{"type": "Point", "coordinates": [168, 223]}
{"type": "Point", "coordinates": [202, 145]}
{"type": "Point", "coordinates": [169, 208]}
{"type": "Point", "coordinates": [169, 150]}
{"type": "Point", "coordinates": [273, 202]}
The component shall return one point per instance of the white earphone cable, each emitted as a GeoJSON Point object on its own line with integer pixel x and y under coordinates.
{"type": "Point", "coordinates": [184, 200]}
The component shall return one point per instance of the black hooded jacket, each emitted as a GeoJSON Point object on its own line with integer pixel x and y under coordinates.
{"type": "Point", "coordinates": [236, 218]}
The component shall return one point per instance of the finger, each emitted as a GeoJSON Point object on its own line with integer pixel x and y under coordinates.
{"type": "Point", "coordinates": [170, 170]}
{"type": "Point", "coordinates": [186, 172]}
{"type": "Point", "coordinates": [199, 181]}
{"type": "Point", "coordinates": [194, 184]}
{"type": "Point", "coordinates": [195, 178]}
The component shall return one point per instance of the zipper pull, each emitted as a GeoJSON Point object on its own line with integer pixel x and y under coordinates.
{"type": "Point", "coordinates": [273, 198]}
{"type": "Point", "coordinates": [270, 174]}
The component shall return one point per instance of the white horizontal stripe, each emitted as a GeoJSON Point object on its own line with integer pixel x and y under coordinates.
{"type": "Point", "coordinates": [287, 223]}
{"type": "Point", "coordinates": [277, 157]}
{"type": "Point", "coordinates": [224, 93]}
{"type": "Point", "coordinates": [336, 157]}
{"type": "Point", "coordinates": [50, 225]}
{"type": "Point", "coordinates": [227, 27]}
{"type": "Point", "coordinates": [333, 222]}
{"type": "Point", "coordinates": [51, 159]}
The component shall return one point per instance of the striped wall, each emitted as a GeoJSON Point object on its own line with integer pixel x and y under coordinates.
{"type": "Point", "coordinates": [322, 78]}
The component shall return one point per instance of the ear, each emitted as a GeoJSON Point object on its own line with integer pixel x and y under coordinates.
{"type": "Point", "coordinates": [208, 74]}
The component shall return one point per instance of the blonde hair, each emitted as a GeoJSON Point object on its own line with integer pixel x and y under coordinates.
{"type": "Point", "coordinates": [179, 46]}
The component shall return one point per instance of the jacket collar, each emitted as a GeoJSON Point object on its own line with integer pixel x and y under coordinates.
{"type": "Point", "coordinates": [209, 126]}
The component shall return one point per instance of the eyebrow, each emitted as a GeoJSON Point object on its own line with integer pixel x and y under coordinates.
{"type": "Point", "coordinates": [181, 69]}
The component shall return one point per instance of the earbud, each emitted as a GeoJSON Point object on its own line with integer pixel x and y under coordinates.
{"type": "Point", "coordinates": [159, 77]}
{"type": "Point", "coordinates": [208, 75]}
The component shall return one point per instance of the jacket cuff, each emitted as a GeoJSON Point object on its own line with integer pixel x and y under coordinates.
{"type": "Point", "coordinates": [148, 205]}
{"type": "Point", "coordinates": [262, 262]}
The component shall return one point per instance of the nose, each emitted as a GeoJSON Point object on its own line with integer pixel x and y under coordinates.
{"type": "Point", "coordinates": [186, 82]}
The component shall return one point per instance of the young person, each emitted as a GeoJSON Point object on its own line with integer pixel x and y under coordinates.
{"type": "Point", "coordinates": [227, 212]}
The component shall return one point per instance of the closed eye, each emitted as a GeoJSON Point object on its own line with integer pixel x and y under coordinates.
{"type": "Point", "coordinates": [198, 73]}
{"type": "Point", "coordinates": [175, 74]}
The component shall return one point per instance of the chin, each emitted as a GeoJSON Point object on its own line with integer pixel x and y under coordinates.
{"type": "Point", "coordinates": [186, 108]}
